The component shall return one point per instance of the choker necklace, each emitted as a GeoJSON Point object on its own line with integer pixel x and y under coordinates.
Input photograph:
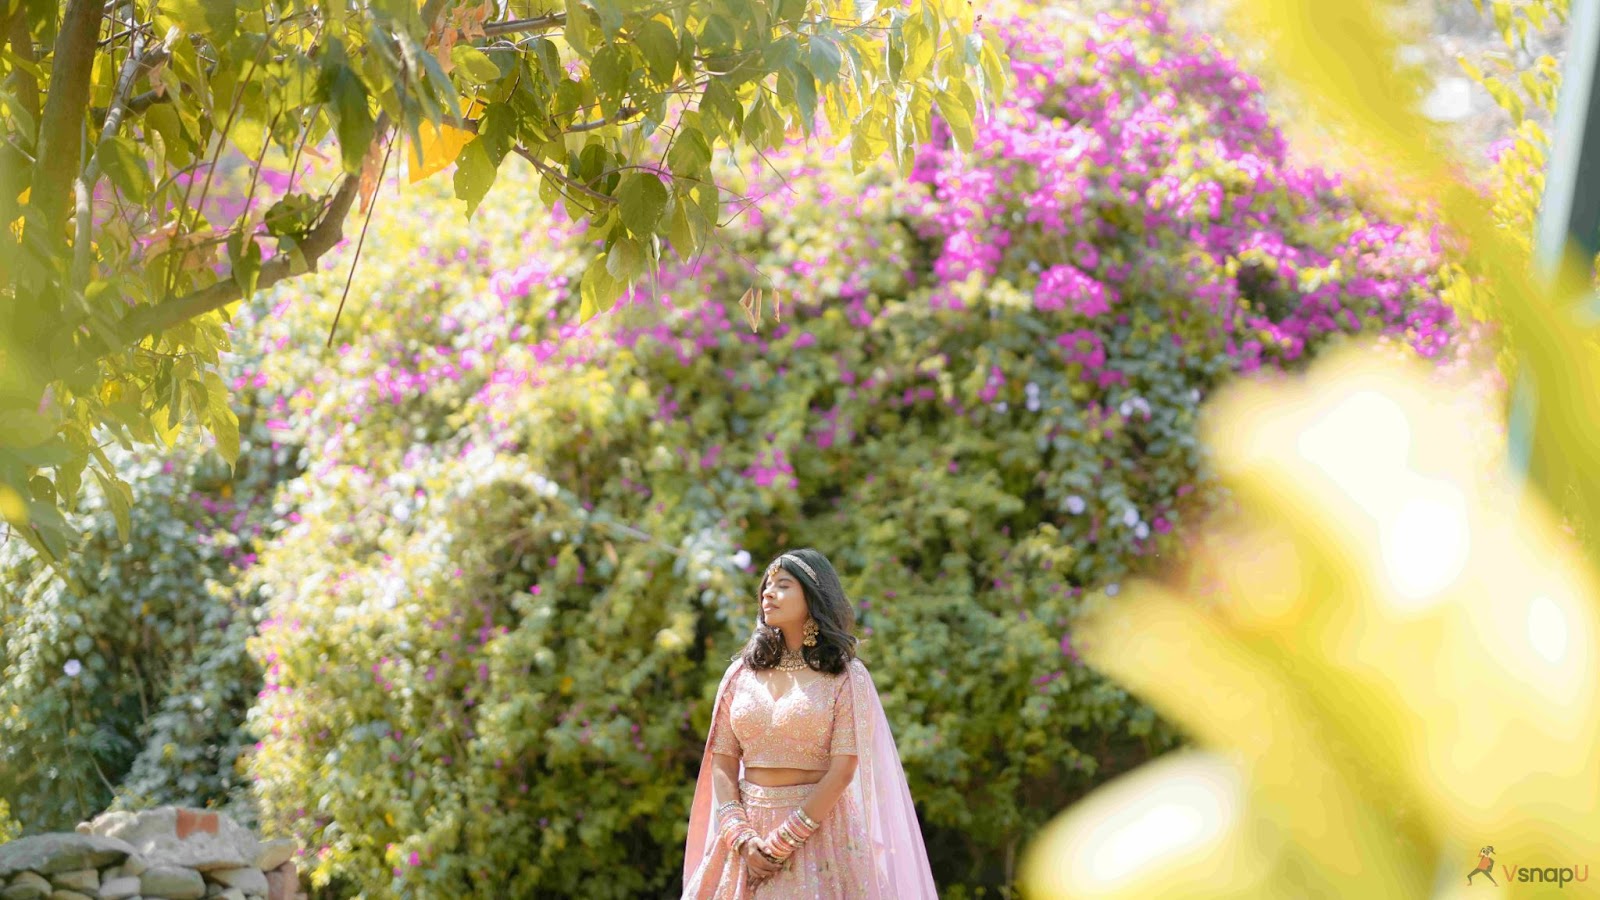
{"type": "Point", "coordinates": [792, 661]}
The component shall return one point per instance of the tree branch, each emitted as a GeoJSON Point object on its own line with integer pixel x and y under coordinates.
{"type": "Point", "coordinates": [573, 183]}
{"type": "Point", "coordinates": [91, 172]}
{"type": "Point", "coordinates": [150, 320]}
{"type": "Point", "coordinates": [27, 87]}
{"type": "Point", "coordinates": [516, 26]}
{"type": "Point", "coordinates": [56, 155]}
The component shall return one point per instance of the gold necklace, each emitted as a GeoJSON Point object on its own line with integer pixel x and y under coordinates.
{"type": "Point", "coordinates": [792, 661]}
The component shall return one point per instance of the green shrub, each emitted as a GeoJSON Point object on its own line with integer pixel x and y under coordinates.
{"type": "Point", "coordinates": [126, 681]}
{"type": "Point", "coordinates": [528, 549]}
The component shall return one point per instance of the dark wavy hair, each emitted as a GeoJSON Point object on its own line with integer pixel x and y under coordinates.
{"type": "Point", "coordinates": [828, 605]}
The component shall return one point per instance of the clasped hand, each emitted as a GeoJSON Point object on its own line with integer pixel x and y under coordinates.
{"type": "Point", "coordinates": [757, 857]}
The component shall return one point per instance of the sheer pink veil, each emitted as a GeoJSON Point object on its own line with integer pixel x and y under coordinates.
{"type": "Point", "coordinates": [880, 791]}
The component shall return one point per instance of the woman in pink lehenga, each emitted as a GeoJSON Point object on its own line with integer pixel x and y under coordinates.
{"type": "Point", "coordinates": [801, 793]}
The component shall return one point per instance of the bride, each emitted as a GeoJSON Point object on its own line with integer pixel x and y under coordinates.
{"type": "Point", "coordinates": [801, 793]}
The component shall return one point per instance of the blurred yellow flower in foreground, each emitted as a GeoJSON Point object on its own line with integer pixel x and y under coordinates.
{"type": "Point", "coordinates": [1386, 654]}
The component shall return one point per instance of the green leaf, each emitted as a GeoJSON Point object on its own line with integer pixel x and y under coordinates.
{"type": "Point", "coordinates": [690, 156]}
{"type": "Point", "coordinates": [292, 216]}
{"type": "Point", "coordinates": [592, 163]}
{"type": "Point", "coordinates": [709, 206]}
{"type": "Point", "coordinates": [792, 11]}
{"type": "Point", "coordinates": [722, 109]}
{"type": "Point", "coordinates": [549, 60]}
{"type": "Point", "coordinates": [626, 260]}
{"type": "Point", "coordinates": [610, 14]}
{"type": "Point", "coordinates": [660, 48]}
{"type": "Point", "coordinates": [781, 54]}
{"type": "Point", "coordinates": [122, 161]}
{"type": "Point", "coordinates": [957, 113]}
{"type": "Point", "coordinates": [224, 422]}
{"type": "Point", "coordinates": [717, 37]}
{"type": "Point", "coordinates": [549, 191]}
{"type": "Point", "coordinates": [477, 64]}
{"type": "Point", "coordinates": [217, 18]}
{"type": "Point", "coordinates": [919, 47]}
{"type": "Point", "coordinates": [598, 291]}
{"type": "Point", "coordinates": [805, 95]}
{"type": "Point", "coordinates": [642, 198]}
{"type": "Point", "coordinates": [24, 428]}
{"type": "Point", "coordinates": [347, 98]}
{"type": "Point", "coordinates": [825, 58]}
{"type": "Point", "coordinates": [55, 536]}
{"type": "Point", "coordinates": [579, 32]}
{"type": "Point", "coordinates": [610, 70]}
{"type": "Point", "coordinates": [475, 174]}
{"type": "Point", "coordinates": [498, 131]}
{"type": "Point", "coordinates": [995, 71]}
{"type": "Point", "coordinates": [120, 498]}
{"type": "Point", "coordinates": [680, 231]}
{"type": "Point", "coordinates": [244, 254]}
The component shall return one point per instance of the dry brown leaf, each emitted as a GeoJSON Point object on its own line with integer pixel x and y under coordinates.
{"type": "Point", "coordinates": [747, 303]}
{"type": "Point", "coordinates": [369, 175]}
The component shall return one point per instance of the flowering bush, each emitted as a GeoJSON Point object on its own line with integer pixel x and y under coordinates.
{"type": "Point", "coordinates": [524, 550]}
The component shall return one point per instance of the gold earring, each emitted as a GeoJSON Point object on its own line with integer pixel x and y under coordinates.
{"type": "Point", "coordinates": [810, 632]}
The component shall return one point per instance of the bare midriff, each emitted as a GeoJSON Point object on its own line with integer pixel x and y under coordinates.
{"type": "Point", "coordinates": [768, 776]}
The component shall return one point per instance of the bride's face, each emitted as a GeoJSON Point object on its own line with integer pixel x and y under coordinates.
{"type": "Point", "coordinates": [783, 601]}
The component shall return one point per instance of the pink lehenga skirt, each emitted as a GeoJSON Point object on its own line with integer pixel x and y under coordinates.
{"type": "Point", "coordinates": [833, 864]}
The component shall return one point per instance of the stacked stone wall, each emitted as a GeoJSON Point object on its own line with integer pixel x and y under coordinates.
{"type": "Point", "coordinates": [168, 853]}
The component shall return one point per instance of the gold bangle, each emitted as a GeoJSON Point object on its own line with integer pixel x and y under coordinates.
{"type": "Point", "coordinates": [807, 821]}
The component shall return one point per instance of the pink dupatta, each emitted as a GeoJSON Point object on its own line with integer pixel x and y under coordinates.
{"type": "Point", "coordinates": [899, 856]}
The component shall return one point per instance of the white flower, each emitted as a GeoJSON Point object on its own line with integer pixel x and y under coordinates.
{"type": "Point", "coordinates": [1126, 407]}
{"type": "Point", "coordinates": [742, 558]}
{"type": "Point", "coordinates": [1130, 518]}
{"type": "Point", "coordinates": [72, 668]}
{"type": "Point", "coordinates": [1001, 407]}
{"type": "Point", "coordinates": [1033, 403]}
{"type": "Point", "coordinates": [1075, 504]}
{"type": "Point", "coordinates": [1113, 589]}
{"type": "Point", "coordinates": [1142, 531]}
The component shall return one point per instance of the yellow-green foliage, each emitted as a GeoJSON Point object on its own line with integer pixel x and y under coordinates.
{"type": "Point", "coordinates": [524, 549]}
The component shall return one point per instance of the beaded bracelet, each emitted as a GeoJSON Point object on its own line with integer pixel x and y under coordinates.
{"type": "Point", "coordinates": [792, 833]}
{"type": "Point", "coordinates": [736, 827]}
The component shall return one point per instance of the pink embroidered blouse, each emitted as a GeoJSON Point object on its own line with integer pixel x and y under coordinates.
{"type": "Point", "coordinates": [800, 730]}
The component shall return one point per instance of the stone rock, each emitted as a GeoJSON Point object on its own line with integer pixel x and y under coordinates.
{"type": "Point", "coordinates": [178, 836]}
{"type": "Point", "coordinates": [120, 888]}
{"type": "Point", "coordinates": [85, 881]}
{"type": "Point", "coordinates": [248, 879]}
{"type": "Point", "coordinates": [275, 853]}
{"type": "Point", "coordinates": [69, 895]}
{"type": "Point", "coordinates": [48, 854]}
{"type": "Point", "coordinates": [172, 883]}
{"type": "Point", "coordinates": [232, 894]}
{"type": "Point", "coordinates": [134, 866]}
{"type": "Point", "coordinates": [283, 883]}
{"type": "Point", "coordinates": [27, 886]}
